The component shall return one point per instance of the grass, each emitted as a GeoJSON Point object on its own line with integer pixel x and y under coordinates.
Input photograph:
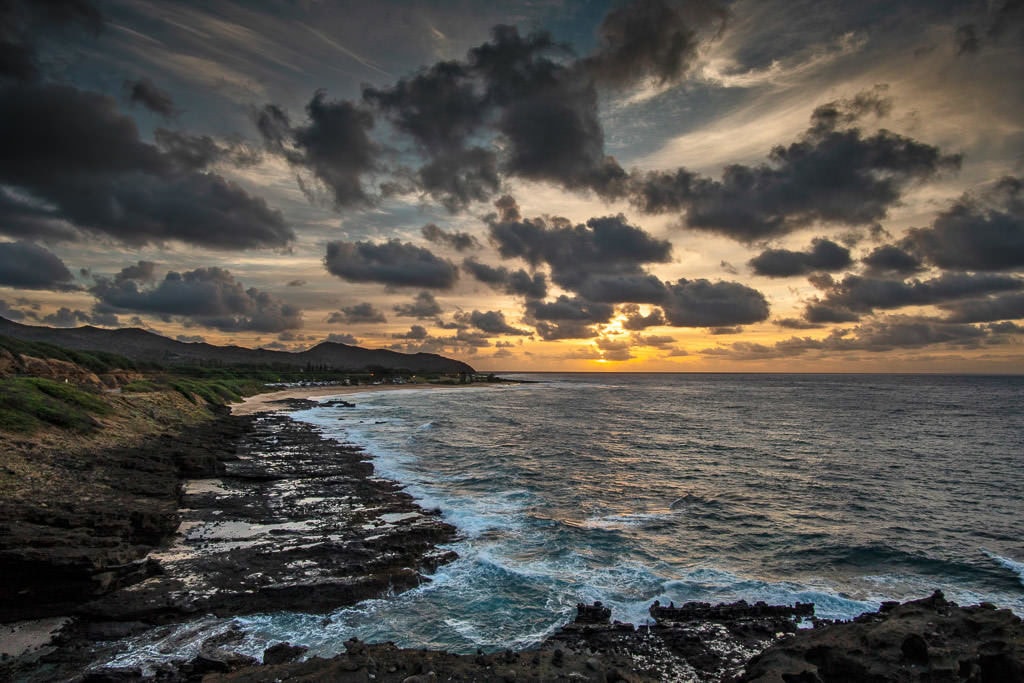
{"type": "Point", "coordinates": [27, 403]}
{"type": "Point", "coordinates": [217, 391]}
{"type": "Point", "coordinates": [95, 361]}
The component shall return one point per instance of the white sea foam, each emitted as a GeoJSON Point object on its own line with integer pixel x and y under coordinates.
{"type": "Point", "coordinates": [1013, 565]}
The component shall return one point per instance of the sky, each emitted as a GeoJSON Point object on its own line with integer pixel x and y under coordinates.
{"type": "Point", "coordinates": [549, 185]}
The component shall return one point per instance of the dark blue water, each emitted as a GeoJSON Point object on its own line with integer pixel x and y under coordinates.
{"type": "Point", "coordinates": [841, 490]}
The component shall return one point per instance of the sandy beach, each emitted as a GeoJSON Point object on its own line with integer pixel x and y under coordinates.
{"type": "Point", "coordinates": [268, 402]}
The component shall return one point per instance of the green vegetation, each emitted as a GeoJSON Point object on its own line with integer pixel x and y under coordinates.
{"type": "Point", "coordinates": [27, 403]}
{"type": "Point", "coordinates": [217, 391]}
{"type": "Point", "coordinates": [95, 361]}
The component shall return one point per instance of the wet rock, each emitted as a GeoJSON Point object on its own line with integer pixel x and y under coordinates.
{"type": "Point", "coordinates": [282, 653]}
{"type": "Point", "coordinates": [592, 614]}
{"type": "Point", "coordinates": [922, 640]}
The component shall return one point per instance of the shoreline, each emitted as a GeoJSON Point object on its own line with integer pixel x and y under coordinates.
{"type": "Point", "coordinates": [274, 400]}
{"type": "Point", "coordinates": [270, 516]}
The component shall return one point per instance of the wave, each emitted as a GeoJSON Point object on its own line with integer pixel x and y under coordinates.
{"type": "Point", "coordinates": [1013, 565]}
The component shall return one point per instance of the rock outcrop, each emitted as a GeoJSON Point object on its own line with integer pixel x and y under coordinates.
{"type": "Point", "coordinates": [922, 640]}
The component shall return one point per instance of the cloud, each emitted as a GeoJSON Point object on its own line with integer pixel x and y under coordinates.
{"type": "Point", "coordinates": [10, 313]}
{"type": "Point", "coordinates": [191, 338]}
{"type": "Point", "coordinates": [889, 259]}
{"type": "Point", "coordinates": [348, 339]}
{"type": "Point", "coordinates": [492, 322]}
{"type": "Point", "coordinates": [857, 294]}
{"type": "Point", "coordinates": [636, 321]}
{"type": "Point", "coordinates": [567, 318]}
{"type": "Point", "coordinates": [833, 174]}
{"type": "Point", "coordinates": [23, 22]}
{"type": "Point", "coordinates": [143, 271]}
{"type": "Point", "coordinates": [1002, 307]}
{"type": "Point", "coordinates": [655, 39]}
{"type": "Point", "coordinates": [440, 108]}
{"type": "Point", "coordinates": [416, 332]}
{"type": "Point", "coordinates": [1003, 18]}
{"type": "Point", "coordinates": [890, 334]}
{"type": "Point", "coordinates": [198, 152]}
{"type": "Point", "coordinates": [357, 314]}
{"type": "Point", "coordinates": [823, 255]}
{"type": "Point", "coordinates": [29, 266]}
{"type": "Point", "coordinates": [516, 283]}
{"type": "Point", "coordinates": [422, 307]}
{"type": "Point", "coordinates": [798, 324]}
{"type": "Point", "coordinates": [209, 297]}
{"type": "Point", "coordinates": [460, 241]}
{"type": "Point", "coordinates": [334, 145]}
{"type": "Point", "coordinates": [604, 254]}
{"type": "Point", "coordinates": [983, 232]}
{"type": "Point", "coordinates": [614, 349]}
{"type": "Point", "coordinates": [75, 158]}
{"type": "Point", "coordinates": [393, 263]}
{"type": "Point", "coordinates": [145, 92]}
{"type": "Point", "coordinates": [701, 303]}
{"type": "Point", "coordinates": [65, 317]}
{"type": "Point", "coordinates": [547, 113]}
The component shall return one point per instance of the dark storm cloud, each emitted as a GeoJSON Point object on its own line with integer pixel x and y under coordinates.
{"type": "Point", "coordinates": [603, 249]}
{"type": "Point", "coordinates": [210, 297]}
{"type": "Point", "coordinates": [145, 92]}
{"type": "Point", "coordinates": [798, 324]}
{"type": "Point", "coordinates": [74, 151]}
{"type": "Point", "coordinates": [823, 255]}
{"type": "Point", "coordinates": [29, 266]}
{"type": "Point", "coordinates": [460, 177]}
{"type": "Point", "coordinates": [652, 39]}
{"type": "Point", "coordinates": [417, 332]}
{"type": "Point", "coordinates": [833, 174]}
{"type": "Point", "coordinates": [1005, 20]}
{"type": "Point", "coordinates": [639, 288]}
{"type": "Point", "coordinates": [460, 241]}
{"type": "Point", "coordinates": [347, 339]}
{"type": "Point", "coordinates": [359, 313]}
{"type": "Point", "coordinates": [701, 303]}
{"type": "Point", "coordinates": [10, 313]}
{"type": "Point", "coordinates": [65, 317]}
{"type": "Point", "coordinates": [567, 318]}
{"type": "Point", "coordinates": [979, 232]}
{"type": "Point", "coordinates": [334, 145]}
{"type": "Point", "coordinates": [198, 152]}
{"type": "Point", "coordinates": [519, 104]}
{"type": "Point", "coordinates": [22, 23]}
{"type": "Point", "coordinates": [891, 334]}
{"type": "Point", "coordinates": [143, 271]}
{"type": "Point", "coordinates": [423, 306]}
{"type": "Point", "coordinates": [516, 283]}
{"type": "Point", "coordinates": [636, 321]}
{"type": "Point", "coordinates": [440, 109]}
{"type": "Point", "coordinates": [889, 259]}
{"type": "Point", "coordinates": [1003, 307]}
{"type": "Point", "coordinates": [491, 322]}
{"type": "Point", "coordinates": [393, 263]}
{"type": "Point", "coordinates": [818, 313]}
{"type": "Point", "coordinates": [864, 294]}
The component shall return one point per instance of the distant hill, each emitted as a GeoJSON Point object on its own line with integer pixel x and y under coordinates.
{"type": "Point", "coordinates": [146, 346]}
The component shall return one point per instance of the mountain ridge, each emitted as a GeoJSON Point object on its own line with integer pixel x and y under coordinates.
{"type": "Point", "coordinates": [142, 345]}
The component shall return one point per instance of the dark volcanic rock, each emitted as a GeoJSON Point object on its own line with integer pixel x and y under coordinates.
{"type": "Point", "coordinates": [922, 640]}
{"type": "Point", "coordinates": [282, 653]}
{"type": "Point", "coordinates": [59, 552]}
{"type": "Point", "coordinates": [294, 522]}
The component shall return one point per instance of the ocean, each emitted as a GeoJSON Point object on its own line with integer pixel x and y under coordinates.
{"type": "Point", "coordinates": [842, 490]}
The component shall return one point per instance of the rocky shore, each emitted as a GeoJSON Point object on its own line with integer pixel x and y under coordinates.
{"type": "Point", "coordinates": [270, 517]}
{"type": "Point", "coordinates": [921, 641]}
{"type": "Point", "coordinates": [154, 547]}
